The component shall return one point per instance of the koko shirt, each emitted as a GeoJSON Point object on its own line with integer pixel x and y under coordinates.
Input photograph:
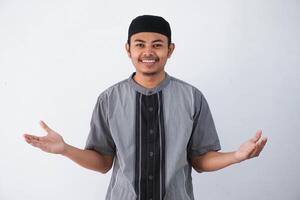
{"type": "Point", "coordinates": [153, 134]}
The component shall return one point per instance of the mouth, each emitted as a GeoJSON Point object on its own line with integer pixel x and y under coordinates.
{"type": "Point", "coordinates": [148, 61]}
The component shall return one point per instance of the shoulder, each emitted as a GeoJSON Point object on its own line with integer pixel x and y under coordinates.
{"type": "Point", "coordinates": [179, 84]}
{"type": "Point", "coordinates": [114, 89]}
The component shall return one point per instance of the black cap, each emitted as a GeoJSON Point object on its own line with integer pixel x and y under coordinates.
{"type": "Point", "coordinates": [149, 23]}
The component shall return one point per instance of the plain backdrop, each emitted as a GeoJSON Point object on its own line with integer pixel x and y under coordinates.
{"type": "Point", "coordinates": [56, 57]}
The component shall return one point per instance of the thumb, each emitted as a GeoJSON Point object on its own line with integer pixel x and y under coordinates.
{"type": "Point", "coordinates": [45, 126]}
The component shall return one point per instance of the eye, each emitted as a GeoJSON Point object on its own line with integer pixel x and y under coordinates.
{"type": "Point", "coordinates": [139, 45]}
{"type": "Point", "coordinates": [157, 45]}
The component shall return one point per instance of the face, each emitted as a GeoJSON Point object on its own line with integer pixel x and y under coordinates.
{"type": "Point", "coordinates": [149, 52]}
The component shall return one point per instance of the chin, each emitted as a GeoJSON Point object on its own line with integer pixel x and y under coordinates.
{"type": "Point", "coordinates": [150, 73]}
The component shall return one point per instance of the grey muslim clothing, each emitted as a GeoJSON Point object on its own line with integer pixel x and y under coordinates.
{"type": "Point", "coordinates": [153, 134]}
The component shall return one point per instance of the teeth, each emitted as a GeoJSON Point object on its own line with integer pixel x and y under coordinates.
{"type": "Point", "coordinates": [148, 61]}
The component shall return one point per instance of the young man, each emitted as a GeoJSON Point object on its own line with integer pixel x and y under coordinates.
{"type": "Point", "coordinates": [153, 126]}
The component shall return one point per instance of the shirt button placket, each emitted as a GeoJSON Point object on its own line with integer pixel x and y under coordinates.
{"type": "Point", "coordinates": [150, 153]}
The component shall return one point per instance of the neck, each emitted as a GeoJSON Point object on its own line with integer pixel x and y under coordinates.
{"type": "Point", "coordinates": [149, 81]}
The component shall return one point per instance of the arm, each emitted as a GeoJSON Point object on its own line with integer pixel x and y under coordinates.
{"type": "Point", "coordinates": [89, 159]}
{"type": "Point", "coordinates": [213, 161]}
{"type": "Point", "coordinates": [54, 143]}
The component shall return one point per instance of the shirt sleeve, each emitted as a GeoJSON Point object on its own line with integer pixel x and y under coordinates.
{"type": "Point", "coordinates": [204, 137]}
{"type": "Point", "coordinates": [100, 138]}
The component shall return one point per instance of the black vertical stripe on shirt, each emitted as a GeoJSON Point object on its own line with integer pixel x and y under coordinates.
{"type": "Point", "coordinates": [144, 146]}
{"type": "Point", "coordinates": [149, 166]}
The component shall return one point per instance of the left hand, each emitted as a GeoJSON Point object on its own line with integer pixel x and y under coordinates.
{"type": "Point", "coordinates": [251, 148]}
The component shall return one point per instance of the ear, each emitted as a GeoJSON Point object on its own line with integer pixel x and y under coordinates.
{"type": "Point", "coordinates": [127, 47]}
{"type": "Point", "coordinates": [171, 49]}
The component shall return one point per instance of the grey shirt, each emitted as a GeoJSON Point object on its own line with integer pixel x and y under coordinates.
{"type": "Point", "coordinates": [153, 134]}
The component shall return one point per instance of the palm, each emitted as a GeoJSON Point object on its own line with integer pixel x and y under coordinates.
{"type": "Point", "coordinates": [245, 150]}
{"type": "Point", "coordinates": [51, 143]}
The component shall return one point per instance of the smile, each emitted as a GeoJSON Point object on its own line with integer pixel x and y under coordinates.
{"type": "Point", "coordinates": [148, 61]}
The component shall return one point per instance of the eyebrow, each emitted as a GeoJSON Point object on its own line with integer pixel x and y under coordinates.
{"type": "Point", "coordinates": [139, 40]}
{"type": "Point", "coordinates": [159, 40]}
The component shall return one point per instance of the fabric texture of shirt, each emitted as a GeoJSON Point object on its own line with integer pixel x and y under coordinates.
{"type": "Point", "coordinates": [153, 134]}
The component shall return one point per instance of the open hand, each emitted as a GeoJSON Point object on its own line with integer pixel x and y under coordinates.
{"type": "Point", "coordinates": [51, 143]}
{"type": "Point", "coordinates": [251, 148]}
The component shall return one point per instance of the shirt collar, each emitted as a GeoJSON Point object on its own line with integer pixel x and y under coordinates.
{"type": "Point", "coordinates": [150, 91]}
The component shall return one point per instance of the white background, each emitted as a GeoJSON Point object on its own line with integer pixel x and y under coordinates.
{"type": "Point", "coordinates": [56, 57]}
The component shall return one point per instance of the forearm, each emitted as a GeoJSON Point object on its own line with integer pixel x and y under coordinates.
{"type": "Point", "coordinates": [88, 158]}
{"type": "Point", "coordinates": [213, 161]}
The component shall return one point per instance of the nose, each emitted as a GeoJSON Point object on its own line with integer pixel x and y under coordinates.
{"type": "Point", "coordinates": [148, 51]}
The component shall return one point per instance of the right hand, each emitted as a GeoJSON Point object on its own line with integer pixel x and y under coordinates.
{"type": "Point", "coordinates": [51, 143]}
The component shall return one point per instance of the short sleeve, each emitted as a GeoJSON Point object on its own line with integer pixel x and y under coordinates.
{"type": "Point", "coordinates": [99, 138]}
{"type": "Point", "coordinates": [204, 137]}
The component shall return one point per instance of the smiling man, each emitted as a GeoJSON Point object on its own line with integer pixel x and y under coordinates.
{"type": "Point", "coordinates": [153, 127]}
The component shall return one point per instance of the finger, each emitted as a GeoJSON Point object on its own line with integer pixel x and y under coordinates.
{"type": "Point", "coordinates": [262, 139]}
{"type": "Point", "coordinates": [29, 137]}
{"type": "Point", "coordinates": [259, 147]}
{"type": "Point", "coordinates": [262, 145]}
{"type": "Point", "coordinates": [257, 136]}
{"type": "Point", "coordinates": [45, 126]}
{"type": "Point", "coordinates": [254, 152]}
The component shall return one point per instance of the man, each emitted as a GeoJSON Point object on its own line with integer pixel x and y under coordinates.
{"type": "Point", "coordinates": [153, 126]}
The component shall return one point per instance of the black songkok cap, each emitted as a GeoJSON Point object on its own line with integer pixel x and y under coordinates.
{"type": "Point", "coordinates": [149, 23]}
